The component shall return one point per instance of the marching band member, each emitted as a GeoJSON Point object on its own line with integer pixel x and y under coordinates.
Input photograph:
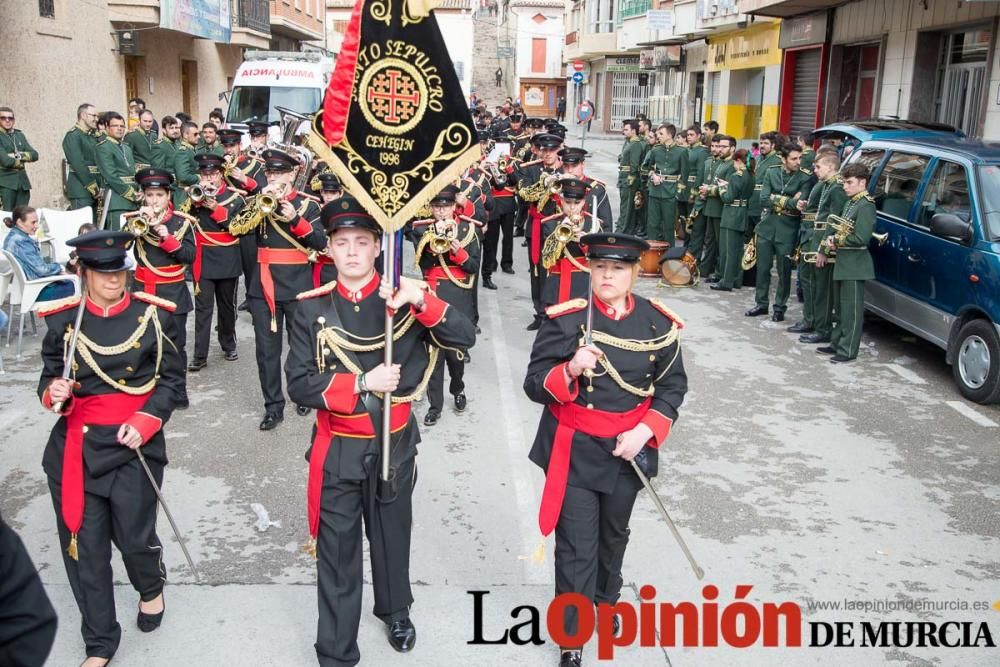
{"type": "Point", "coordinates": [289, 239]}
{"type": "Point", "coordinates": [245, 173]}
{"type": "Point", "coordinates": [117, 167]}
{"type": "Point", "coordinates": [450, 271]}
{"type": "Point", "coordinates": [83, 182]}
{"type": "Point", "coordinates": [533, 188]}
{"type": "Point", "coordinates": [330, 189]}
{"type": "Point", "coordinates": [607, 402]}
{"type": "Point", "coordinates": [336, 365]}
{"type": "Point", "coordinates": [126, 379]}
{"type": "Point", "coordinates": [573, 165]}
{"type": "Point", "coordinates": [732, 225]}
{"type": "Point", "coordinates": [667, 165]}
{"type": "Point", "coordinates": [562, 256]}
{"type": "Point", "coordinates": [217, 264]}
{"type": "Point", "coordinates": [164, 251]}
{"type": "Point", "coordinates": [831, 199]}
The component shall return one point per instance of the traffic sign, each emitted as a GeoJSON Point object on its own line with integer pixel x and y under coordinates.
{"type": "Point", "coordinates": [578, 65]}
{"type": "Point", "coordinates": [584, 112]}
{"type": "Point", "coordinates": [577, 77]}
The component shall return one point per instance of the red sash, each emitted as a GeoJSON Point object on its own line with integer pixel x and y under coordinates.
{"type": "Point", "coordinates": [564, 268]}
{"type": "Point", "coordinates": [330, 425]}
{"type": "Point", "coordinates": [213, 239]}
{"type": "Point", "coordinates": [150, 280]}
{"type": "Point", "coordinates": [535, 251]}
{"type": "Point", "coordinates": [572, 418]}
{"type": "Point", "coordinates": [323, 260]}
{"type": "Point", "coordinates": [100, 410]}
{"type": "Point", "coordinates": [268, 256]}
{"type": "Point", "coordinates": [436, 274]}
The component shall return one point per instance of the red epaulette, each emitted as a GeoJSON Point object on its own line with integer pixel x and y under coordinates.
{"type": "Point", "coordinates": [471, 221]}
{"type": "Point", "coordinates": [59, 305]}
{"type": "Point", "coordinates": [157, 301]}
{"type": "Point", "coordinates": [571, 306]}
{"type": "Point", "coordinates": [553, 216]}
{"type": "Point", "coordinates": [662, 307]}
{"type": "Point", "coordinates": [323, 289]}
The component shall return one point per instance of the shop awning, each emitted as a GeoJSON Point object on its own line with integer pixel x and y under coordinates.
{"type": "Point", "coordinates": [787, 8]}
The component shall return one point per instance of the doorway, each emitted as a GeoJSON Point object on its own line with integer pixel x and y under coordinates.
{"type": "Point", "coordinates": [189, 86]}
{"type": "Point", "coordinates": [962, 78]}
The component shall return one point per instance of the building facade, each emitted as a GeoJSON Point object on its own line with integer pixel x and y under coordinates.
{"type": "Point", "coordinates": [538, 68]}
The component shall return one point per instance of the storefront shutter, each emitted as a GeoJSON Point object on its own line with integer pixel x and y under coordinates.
{"type": "Point", "coordinates": [805, 91]}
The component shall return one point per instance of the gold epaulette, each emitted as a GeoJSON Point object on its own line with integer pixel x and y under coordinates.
{"type": "Point", "coordinates": [157, 301]}
{"type": "Point", "coordinates": [806, 172]}
{"type": "Point", "coordinates": [323, 289]}
{"type": "Point", "coordinates": [597, 181]}
{"type": "Point", "coordinates": [571, 306]}
{"type": "Point", "coordinates": [59, 305]}
{"type": "Point", "coordinates": [663, 308]}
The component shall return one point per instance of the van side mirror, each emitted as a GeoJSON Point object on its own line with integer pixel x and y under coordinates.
{"type": "Point", "coordinates": [950, 225]}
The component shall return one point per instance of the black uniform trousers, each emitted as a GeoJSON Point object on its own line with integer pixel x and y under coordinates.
{"type": "Point", "coordinates": [180, 340]}
{"type": "Point", "coordinates": [119, 508]}
{"type": "Point", "coordinates": [27, 619]}
{"type": "Point", "coordinates": [505, 224]}
{"type": "Point", "coordinates": [248, 258]}
{"type": "Point", "coordinates": [710, 252]}
{"type": "Point", "coordinates": [344, 503]}
{"type": "Point", "coordinates": [220, 292]}
{"type": "Point", "coordinates": [591, 537]}
{"type": "Point", "coordinates": [456, 371]}
{"type": "Point", "coordinates": [268, 344]}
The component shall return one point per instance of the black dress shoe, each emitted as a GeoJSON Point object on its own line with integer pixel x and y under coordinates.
{"type": "Point", "coordinates": [232, 355]}
{"type": "Point", "coordinates": [535, 324]}
{"type": "Point", "coordinates": [149, 622]}
{"type": "Point", "coordinates": [508, 270]}
{"type": "Point", "coordinates": [461, 401]}
{"type": "Point", "coordinates": [402, 635]}
{"type": "Point", "coordinates": [711, 280]}
{"type": "Point", "coordinates": [800, 327]}
{"type": "Point", "coordinates": [302, 410]}
{"type": "Point", "coordinates": [432, 417]}
{"type": "Point", "coordinates": [756, 311]}
{"type": "Point", "coordinates": [488, 283]}
{"type": "Point", "coordinates": [570, 659]}
{"type": "Point", "coordinates": [196, 365]}
{"type": "Point", "coordinates": [244, 306]}
{"type": "Point", "coordinates": [719, 288]}
{"type": "Point", "coordinates": [524, 243]}
{"type": "Point", "coordinates": [271, 420]}
{"type": "Point", "coordinates": [826, 349]}
{"type": "Point", "coordinates": [813, 338]}
{"type": "Point", "coordinates": [840, 359]}
{"type": "Point", "coordinates": [107, 661]}
{"type": "Point", "coordinates": [778, 316]}
{"type": "Point", "coordinates": [183, 404]}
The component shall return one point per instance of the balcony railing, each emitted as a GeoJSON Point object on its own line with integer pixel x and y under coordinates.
{"type": "Point", "coordinates": [252, 14]}
{"type": "Point", "coordinates": [630, 8]}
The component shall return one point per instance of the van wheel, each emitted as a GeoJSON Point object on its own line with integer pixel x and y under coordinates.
{"type": "Point", "coordinates": [977, 362]}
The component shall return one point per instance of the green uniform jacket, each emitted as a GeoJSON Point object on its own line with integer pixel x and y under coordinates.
{"type": "Point", "coordinates": [164, 154]}
{"type": "Point", "coordinates": [117, 165]}
{"type": "Point", "coordinates": [629, 162]}
{"type": "Point", "coordinates": [809, 215]}
{"type": "Point", "coordinates": [854, 262]}
{"type": "Point", "coordinates": [697, 155]}
{"type": "Point", "coordinates": [643, 170]}
{"type": "Point", "coordinates": [216, 149]}
{"type": "Point", "coordinates": [141, 144]}
{"type": "Point", "coordinates": [772, 159]}
{"type": "Point", "coordinates": [185, 171]}
{"type": "Point", "coordinates": [808, 159]}
{"type": "Point", "coordinates": [714, 171]}
{"type": "Point", "coordinates": [739, 188]}
{"type": "Point", "coordinates": [12, 173]}
{"type": "Point", "coordinates": [832, 198]}
{"type": "Point", "coordinates": [80, 148]}
{"type": "Point", "coordinates": [672, 163]}
{"type": "Point", "coordinates": [782, 192]}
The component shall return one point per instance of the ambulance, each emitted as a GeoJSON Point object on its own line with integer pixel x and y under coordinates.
{"type": "Point", "coordinates": [270, 79]}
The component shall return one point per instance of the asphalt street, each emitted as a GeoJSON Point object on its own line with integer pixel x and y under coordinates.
{"type": "Point", "coordinates": [871, 481]}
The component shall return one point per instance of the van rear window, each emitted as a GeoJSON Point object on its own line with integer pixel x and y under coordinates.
{"type": "Point", "coordinates": [989, 187]}
{"type": "Point", "coordinates": [259, 102]}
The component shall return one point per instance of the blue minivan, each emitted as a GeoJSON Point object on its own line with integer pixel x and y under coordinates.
{"type": "Point", "coordinates": [938, 273]}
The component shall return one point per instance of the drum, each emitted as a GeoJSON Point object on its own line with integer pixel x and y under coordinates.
{"type": "Point", "coordinates": [679, 268]}
{"type": "Point", "coordinates": [649, 262]}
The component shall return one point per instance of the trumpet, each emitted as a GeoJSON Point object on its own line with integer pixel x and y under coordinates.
{"type": "Point", "coordinates": [842, 228]}
{"type": "Point", "coordinates": [199, 193]}
{"type": "Point", "coordinates": [140, 225]}
{"type": "Point", "coordinates": [880, 238]}
{"type": "Point", "coordinates": [269, 201]}
{"type": "Point", "coordinates": [567, 230]}
{"type": "Point", "coordinates": [440, 243]}
{"type": "Point", "coordinates": [749, 254]}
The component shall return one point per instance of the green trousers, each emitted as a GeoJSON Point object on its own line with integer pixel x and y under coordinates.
{"type": "Point", "coordinates": [626, 212]}
{"type": "Point", "coordinates": [709, 264]}
{"type": "Point", "coordinates": [822, 299]}
{"type": "Point", "coordinates": [113, 221]}
{"type": "Point", "coordinates": [696, 242]}
{"type": "Point", "coordinates": [807, 278]}
{"type": "Point", "coordinates": [12, 198]}
{"type": "Point", "coordinates": [849, 296]}
{"type": "Point", "coordinates": [731, 259]}
{"type": "Point", "coordinates": [769, 253]}
{"type": "Point", "coordinates": [661, 215]}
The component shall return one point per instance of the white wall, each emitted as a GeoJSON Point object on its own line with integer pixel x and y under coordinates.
{"type": "Point", "coordinates": [527, 30]}
{"type": "Point", "coordinates": [457, 30]}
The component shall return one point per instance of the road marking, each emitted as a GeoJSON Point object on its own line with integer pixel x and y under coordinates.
{"type": "Point", "coordinates": [524, 487]}
{"type": "Point", "coordinates": [906, 374]}
{"type": "Point", "coordinates": [966, 411]}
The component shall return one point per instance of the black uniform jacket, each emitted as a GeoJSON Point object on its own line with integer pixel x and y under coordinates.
{"type": "Point", "coordinates": [169, 256]}
{"type": "Point", "coordinates": [218, 250]}
{"type": "Point", "coordinates": [134, 325]}
{"type": "Point", "coordinates": [570, 274]}
{"type": "Point", "coordinates": [452, 276]}
{"type": "Point", "coordinates": [324, 359]}
{"type": "Point", "coordinates": [642, 349]}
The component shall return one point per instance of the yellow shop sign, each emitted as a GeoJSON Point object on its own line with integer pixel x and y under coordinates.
{"type": "Point", "coordinates": [744, 49]}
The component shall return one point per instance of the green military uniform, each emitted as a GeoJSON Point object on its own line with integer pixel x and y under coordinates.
{"type": "Point", "coordinates": [185, 171]}
{"type": "Point", "coordinates": [697, 155]}
{"type": "Point", "coordinates": [641, 213]}
{"type": "Point", "coordinates": [808, 159]}
{"type": "Point", "coordinates": [755, 206]}
{"type": "Point", "coordinates": [628, 183]}
{"type": "Point", "coordinates": [165, 154]}
{"type": "Point", "coordinates": [141, 143]}
{"type": "Point", "coordinates": [84, 180]}
{"type": "Point", "coordinates": [778, 231]}
{"type": "Point", "coordinates": [117, 165]}
{"type": "Point", "coordinates": [15, 152]}
{"type": "Point", "coordinates": [671, 163]}
{"type": "Point", "coordinates": [832, 199]}
{"type": "Point", "coordinates": [214, 149]}
{"type": "Point", "coordinates": [853, 267]}
{"type": "Point", "coordinates": [713, 214]}
{"type": "Point", "coordinates": [807, 268]}
{"type": "Point", "coordinates": [697, 240]}
{"type": "Point", "coordinates": [732, 226]}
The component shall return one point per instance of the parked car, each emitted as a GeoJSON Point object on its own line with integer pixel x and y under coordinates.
{"type": "Point", "coordinates": [852, 133]}
{"type": "Point", "coordinates": [938, 274]}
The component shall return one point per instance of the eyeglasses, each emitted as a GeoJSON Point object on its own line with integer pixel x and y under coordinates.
{"type": "Point", "coordinates": [6, 118]}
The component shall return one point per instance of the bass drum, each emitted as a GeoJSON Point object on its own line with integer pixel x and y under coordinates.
{"type": "Point", "coordinates": [649, 262]}
{"type": "Point", "coordinates": [679, 268]}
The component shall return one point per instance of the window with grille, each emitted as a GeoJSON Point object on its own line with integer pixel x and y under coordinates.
{"type": "Point", "coordinates": [47, 8]}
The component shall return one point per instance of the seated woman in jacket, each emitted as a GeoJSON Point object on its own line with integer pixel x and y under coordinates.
{"type": "Point", "coordinates": [21, 243]}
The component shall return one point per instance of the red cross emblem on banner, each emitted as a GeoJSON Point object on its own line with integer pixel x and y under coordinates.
{"type": "Point", "coordinates": [393, 97]}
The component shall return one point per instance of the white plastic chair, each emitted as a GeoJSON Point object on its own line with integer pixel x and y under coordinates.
{"type": "Point", "coordinates": [62, 226]}
{"type": "Point", "coordinates": [29, 291]}
{"type": "Point", "coordinates": [6, 275]}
